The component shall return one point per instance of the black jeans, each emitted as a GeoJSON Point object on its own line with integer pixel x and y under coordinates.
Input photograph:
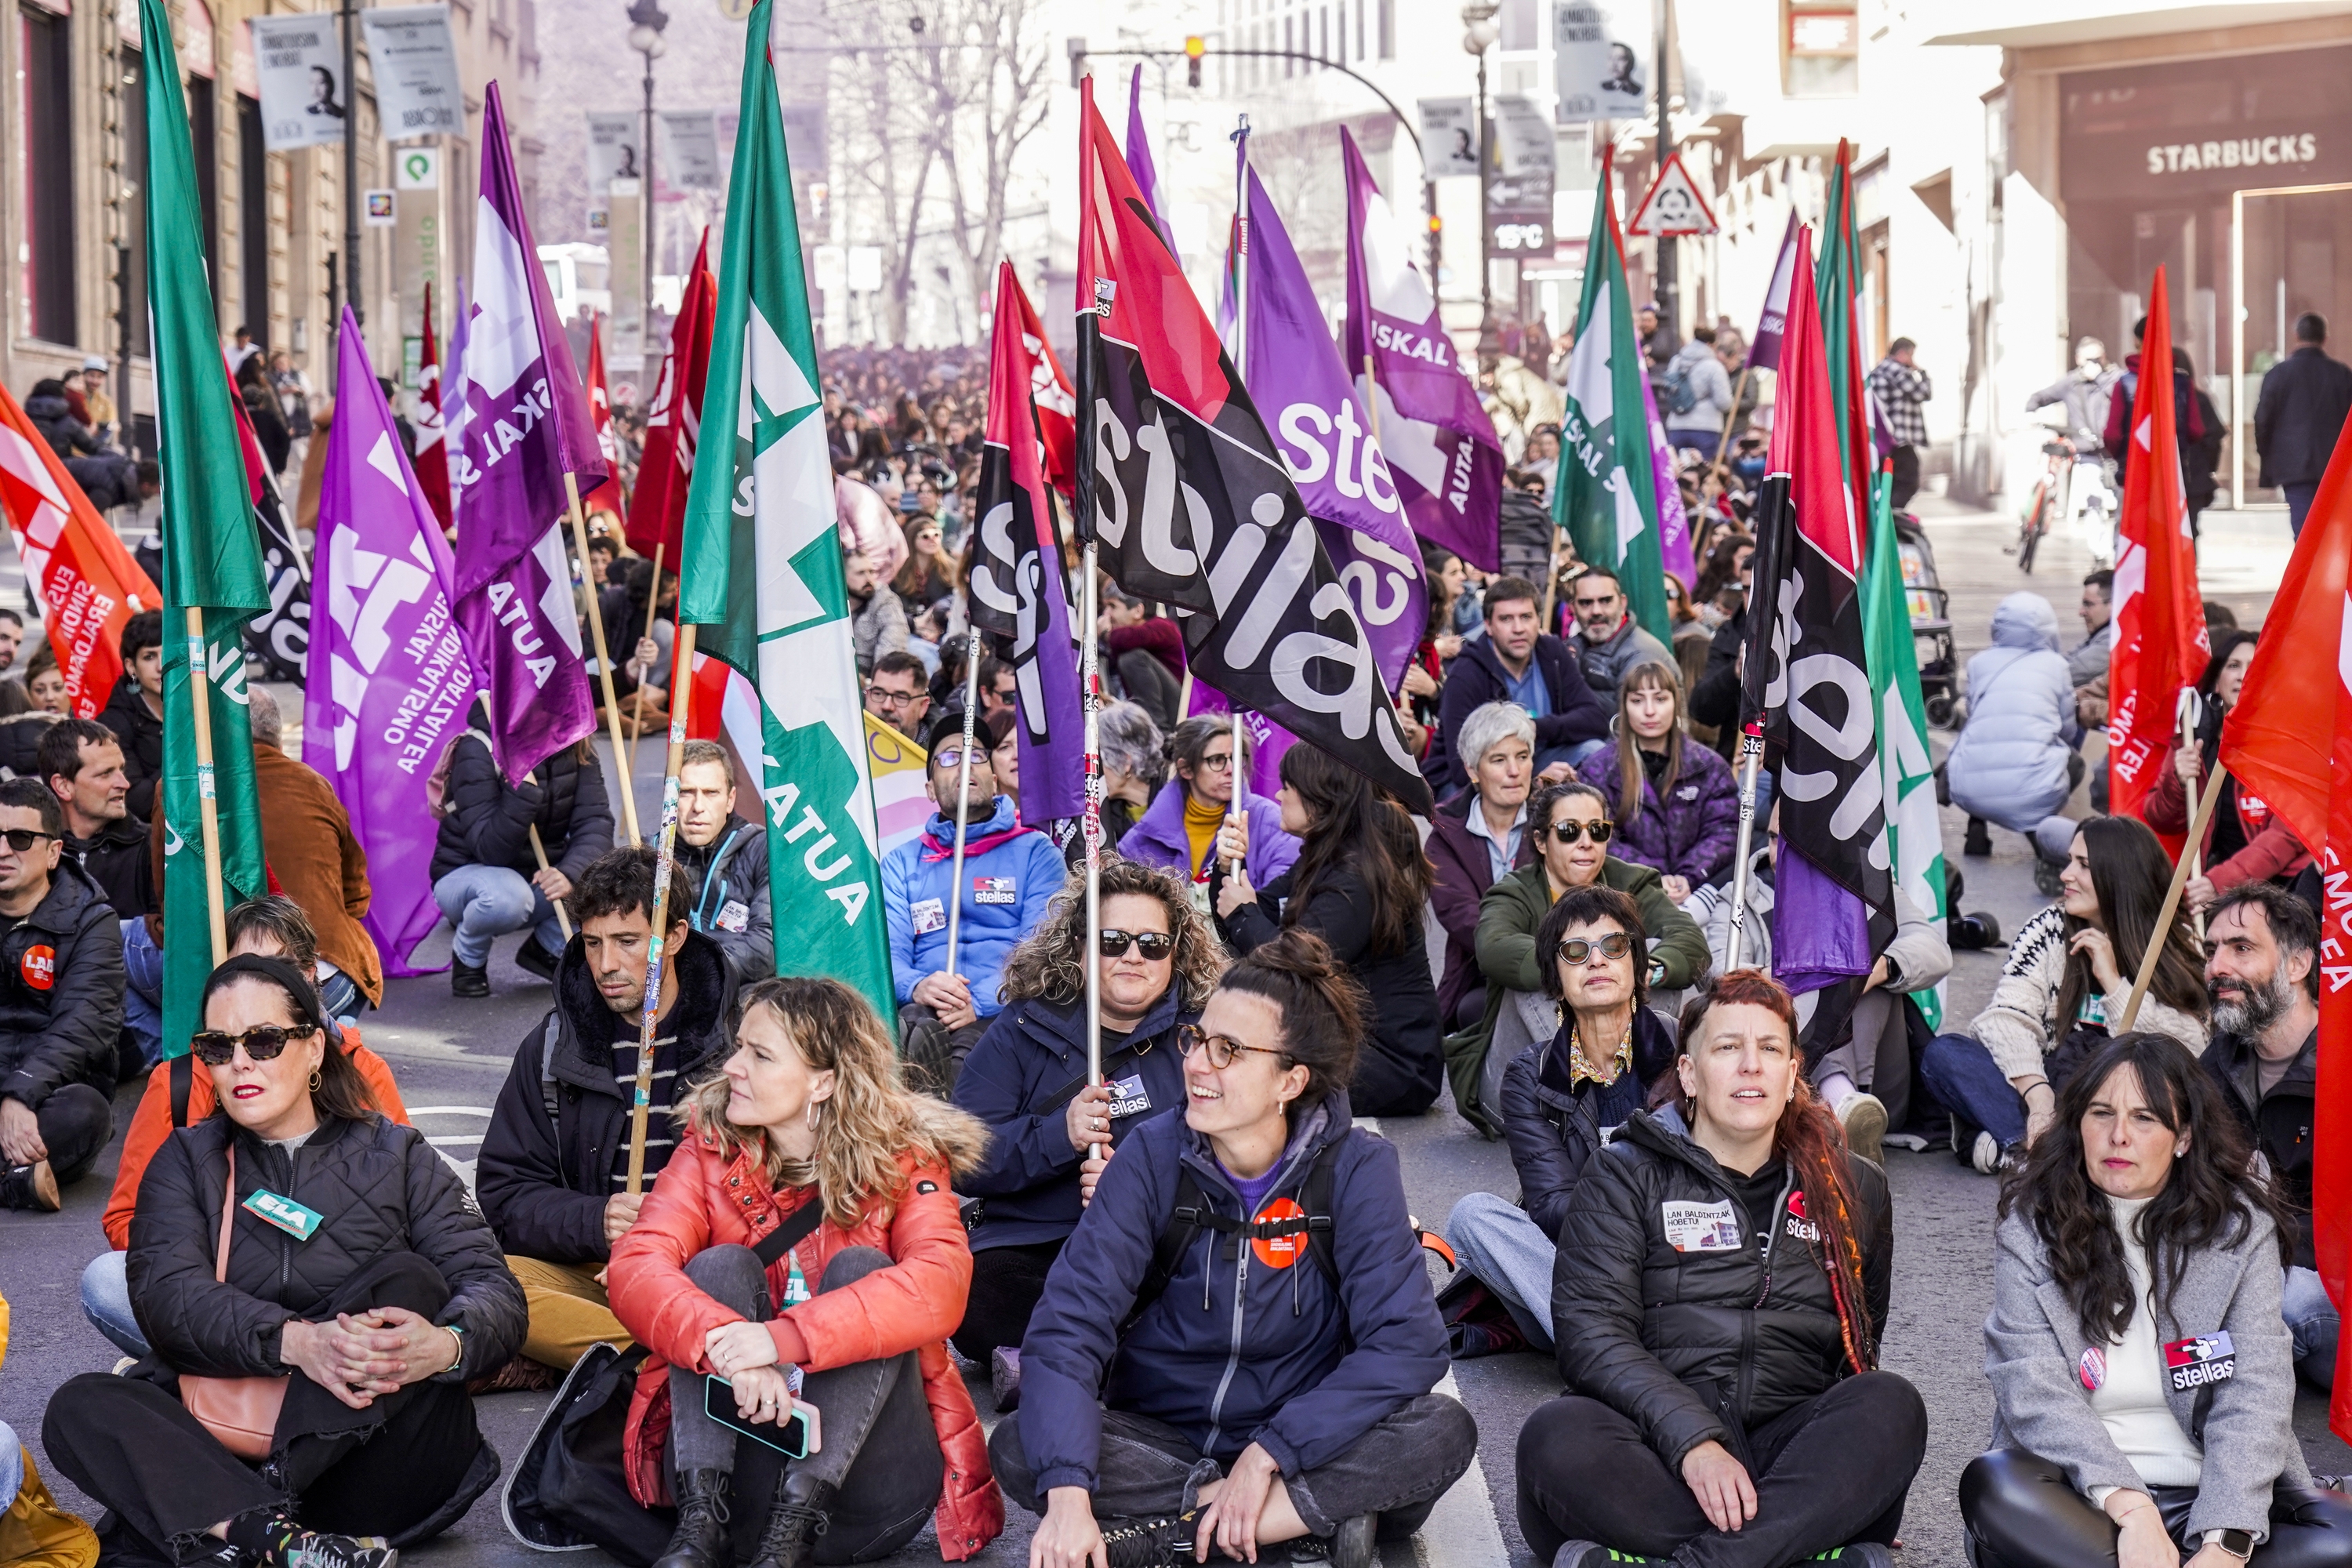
{"type": "Point", "coordinates": [384, 1471]}
{"type": "Point", "coordinates": [76, 1122]}
{"type": "Point", "coordinates": [1006, 1284]}
{"type": "Point", "coordinates": [2021, 1512]}
{"type": "Point", "coordinates": [1147, 1468]}
{"type": "Point", "coordinates": [1906, 475]}
{"type": "Point", "coordinates": [1829, 1472]}
{"type": "Point", "coordinates": [877, 1446]}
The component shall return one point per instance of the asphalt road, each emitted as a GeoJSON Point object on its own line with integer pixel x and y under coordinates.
{"type": "Point", "coordinates": [451, 1056]}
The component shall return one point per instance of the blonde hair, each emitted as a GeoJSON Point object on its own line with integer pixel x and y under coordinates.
{"type": "Point", "coordinates": [869, 1122]}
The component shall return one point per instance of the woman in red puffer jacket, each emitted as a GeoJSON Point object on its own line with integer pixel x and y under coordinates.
{"type": "Point", "coordinates": [851, 1318]}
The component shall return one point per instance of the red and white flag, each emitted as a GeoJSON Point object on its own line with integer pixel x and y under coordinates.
{"type": "Point", "coordinates": [432, 465]}
{"type": "Point", "coordinates": [607, 496]}
{"type": "Point", "coordinates": [666, 467]}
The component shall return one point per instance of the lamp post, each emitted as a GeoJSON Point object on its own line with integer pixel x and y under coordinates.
{"type": "Point", "coordinates": [647, 20]}
{"type": "Point", "coordinates": [1479, 31]}
{"type": "Point", "coordinates": [1669, 283]}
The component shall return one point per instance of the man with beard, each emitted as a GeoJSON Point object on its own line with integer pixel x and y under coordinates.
{"type": "Point", "coordinates": [2264, 1052]}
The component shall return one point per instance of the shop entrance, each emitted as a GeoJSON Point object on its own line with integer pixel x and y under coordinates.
{"type": "Point", "coordinates": [2291, 251]}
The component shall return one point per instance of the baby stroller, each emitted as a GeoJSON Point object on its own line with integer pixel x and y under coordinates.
{"type": "Point", "coordinates": [1931, 620]}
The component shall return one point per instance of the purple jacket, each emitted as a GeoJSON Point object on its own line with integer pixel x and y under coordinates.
{"type": "Point", "coordinates": [1158, 837]}
{"type": "Point", "coordinates": [1691, 834]}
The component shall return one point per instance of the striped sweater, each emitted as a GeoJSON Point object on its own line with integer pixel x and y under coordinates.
{"type": "Point", "coordinates": [2021, 1025]}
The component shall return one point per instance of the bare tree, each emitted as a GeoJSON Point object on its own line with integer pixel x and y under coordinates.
{"type": "Point", "coordinates": [983, 89]}
{"type": "Point", "coordinates": [890, 153]}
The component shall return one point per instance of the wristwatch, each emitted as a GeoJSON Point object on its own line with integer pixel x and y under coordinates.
{"type": "Point", "coordinates": [2238, 1543]}
{"type": "Point", "coordinates": [459, 1333]}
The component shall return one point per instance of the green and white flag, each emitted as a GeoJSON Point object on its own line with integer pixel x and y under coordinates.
{"type": "Point", "coordinates": [212, 557]}
{"type": "Point", "coordinates": [1605, 494]}
{"type": "Point", "coordinates": [1915, 830]}
{"type": "Point", "coordinates": [760, 573]}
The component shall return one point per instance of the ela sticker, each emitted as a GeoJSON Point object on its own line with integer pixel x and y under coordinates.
{"type": "Point", "coordinates": [1128, 1096]}
{"type": "Point", "coordinates": [1701, 1227]}
{"type": "Point", "coordinates": [734, 915]}
{"type": "Point", "coordinates": [284, 1213]}
{"type": "Point", "coordinates": [1279, 1251]}
{"type": "Point", "coordinates": [929, 915]}
{"type": "Point", "coordinates": [2194, 1363]}
{"type": "Point", "coordinates": [39, 966]}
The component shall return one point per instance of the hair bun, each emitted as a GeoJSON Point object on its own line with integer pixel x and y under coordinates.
{"type": "Point", "coordinates": [1300, 953]}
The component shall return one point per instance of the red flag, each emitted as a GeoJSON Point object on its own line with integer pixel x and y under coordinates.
{"type": "Point", "coordinates": [1049, 388]}
{"type": "Point", "coordinates": [665, 467]}
{"type": "Point", "coordinates": [2160, 643]}
{"type": "Point", "coordinates": [432, 465]}
{"type": "Point", "coordinates": [87, 584]}
{"type": "Point", "coordinates": [606, 496]}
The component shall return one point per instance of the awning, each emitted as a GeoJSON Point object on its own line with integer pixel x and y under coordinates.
{"type": "Point", "coordinates": [2042, 23]}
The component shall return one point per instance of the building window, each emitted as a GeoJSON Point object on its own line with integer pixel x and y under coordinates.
{"type": "Point", "coordinates": [1359, 29]}
{"type": "Point", "coordinates": [44, 78]}
{"type": "Point", "coordinates": [253, 220]}
{"type": "Point", "coordinates": [205, 135]}
{"type": "Point", "coordinates": [1821, 43]}
{"type": "Point", "coordinates": [1323, 32]}
{"type": "Point", "coordinates": [1519, 19]}
{"type": "Point", "coordinates": [1289, 43]}
{"type": "Point", "coordinates": [134, 206]}
{"type": "Point", "coordinates": [1388, 29]}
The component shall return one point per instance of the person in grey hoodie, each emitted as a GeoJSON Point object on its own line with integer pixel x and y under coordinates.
{"type": "Point", "coordinates": [2015, 761]}
{"type": "Point", "coordinates": [2143, 1383]}
{"type": "Point", "coordinates": [1695, 373]}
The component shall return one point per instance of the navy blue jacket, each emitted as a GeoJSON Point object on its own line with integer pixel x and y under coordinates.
{"type": "Point", "coordinates": [1236, 1351]}
{"type": "Point", "coordinates": [1028, 1181]}
{"type": "Point", "coordinates": [1477, 679]}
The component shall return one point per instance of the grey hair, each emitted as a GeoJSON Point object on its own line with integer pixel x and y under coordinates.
{"type": "Point", "coordinates": [261, 712]}
{"type": "Point", "coordinates": [1131, 743]}
{"type": "Point", "coordinates": [1488, 726]}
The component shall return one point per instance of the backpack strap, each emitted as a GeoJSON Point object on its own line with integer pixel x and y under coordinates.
{"type": "Point", "coordinates": [548, 1037]}
{"type": "Point", "coordinates": [184, 1081]}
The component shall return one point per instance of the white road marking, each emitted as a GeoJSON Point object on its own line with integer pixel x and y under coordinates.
{"type": "Point", "coordinates": [449, 1110]}
{"type": "Point", "coordinates": [1461, 1531]}
{"type": "Point", "coordinates": [1369, 1123]}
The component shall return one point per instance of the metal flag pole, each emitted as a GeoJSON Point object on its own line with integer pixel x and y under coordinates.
{"type": "Point", "coordinates": [1090, 702]}
{"type": "Point", "coordinates": [963, 794]}
{"type": "Point", "coordinates": [1751, 754]}
{"type": "Point", "coordinates": [604, 664]}
{"type": "Point", "coordinates": [681, 682]}
{"type": "Point", "coordinates": [1240, 368]}
{"type": "Point", "coordinates": [200, 702]}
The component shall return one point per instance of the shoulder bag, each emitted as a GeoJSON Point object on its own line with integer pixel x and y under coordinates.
{"type": "Point", "coordinates": [241, 1412]}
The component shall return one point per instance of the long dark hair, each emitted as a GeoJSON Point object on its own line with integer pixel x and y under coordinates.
{"type": "Point", "coordinates": [2129, 872]}
{"type": "Point", "coordinates": [1351, 824]}
{"type": "Point", "coordinates": [2212, 1197]}
{"type": "Point", "coordinates": [1324, 1007]}
{"type": "Point", "coordinates": [2210, 712]}
{"type": "Point", "coordinates": [1648, 675]}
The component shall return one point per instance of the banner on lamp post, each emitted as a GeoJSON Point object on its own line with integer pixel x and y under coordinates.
{"type": "Point", "coordinates": [415, 59]}
{"type": "Point", "coordinates": [1600, 58]}
{"type": "Point", "coordinates": [615, 150]}
{"type": "Point", "coordinates": [1449, 137]}
{"type": "Point", "coordinates": [299, 64]}
{"type": "Point", "coordinates": [689, 149]}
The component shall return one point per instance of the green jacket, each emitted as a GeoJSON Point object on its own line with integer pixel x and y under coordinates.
{"type": "Point", "coordinates": [1508, 917]}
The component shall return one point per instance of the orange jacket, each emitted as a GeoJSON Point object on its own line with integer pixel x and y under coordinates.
{"type": "Point", "coordinates": [152, 1123]}
{"type": "Point", "coordinates": [703, 1199]}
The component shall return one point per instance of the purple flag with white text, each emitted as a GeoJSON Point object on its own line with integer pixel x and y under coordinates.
{"type": "Point", "coordinates": [1772, 324]}
{"type": "Point", "coordinates": [388, 681]}
{"type": "Point", "coordinates": [1676, 551]}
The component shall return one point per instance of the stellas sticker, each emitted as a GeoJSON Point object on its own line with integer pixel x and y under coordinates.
{"type": "Point", "coordinates": [1701, 1227]}
{"type": "Point", "coordinates": [1128, 1097]}
{"type": "Point", "coordinates": [2092, 1368]}
{"type": "Point", "coordinates": [929, 915]}
{"type": "Point", "coordinates": [39, 966]}
{"type": "Point", "coordinates": [1279, 1251]}
{"type": "Point", "coordinates": [1801, 1228]}
{"type": "Point", "coordinates": [2193, 1364]}
{"type": "Point", "coordinates": [993, 891]}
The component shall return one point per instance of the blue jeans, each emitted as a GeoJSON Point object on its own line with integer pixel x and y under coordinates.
{"type": "Point", "coordinates": [1966, 1081]}
{"type": "Point", "coordinates": [12, 1466]}
{"type": "Point", "coordinates": [1511, 1256]}
{"type": "Point", "coordinates": [106, 1302]}
{"type": "Point", "coordinates": [142, 996]}
{"type": "Point", "coordinates": [485, 902]}
{"type": "Point", "coordinates": [1703, 442]}
{"type": "Point", "coordinates": [2312, 1320]}
{"type": "Point", "coordinates": [2298, 505]}
{"type": "Point", "coordinates": [339, 994]}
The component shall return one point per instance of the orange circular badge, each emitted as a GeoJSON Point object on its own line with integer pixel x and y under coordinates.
{"type": "Point", "coordinates": [39, 966]}
{"type": "Point", "coordinates": [1280, 1251]}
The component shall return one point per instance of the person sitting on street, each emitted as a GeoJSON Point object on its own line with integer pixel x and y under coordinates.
{"type": "Point", "coordinates": [1572, 828]}
{"type": "Point", "coordinates": [802, 1247]}
{"type": "Point", "coordinates": [1676, 806]}
{"type": "Point", "coordinates": [2015, 761]}
{"type": "Point", "coordinates": [1010, 874]}
{"type": "Point", "coordinates": [487, 875]}
{"type": "Point", "coordinates": [2245, 840]}
{"type": "Point", "coordinates": [1610, 643]}
{"type": "Point", "coordinates": [725, 859]}
{"type": "Point", "coordinates": [2143, 1381]}
{"type": "Point", "coordinates": [134, 709]}
{"type": "Point", "coordinates": [1149, 1429]}
{"type": "Point", "coordinates": [318, 861]}
{"type": "Point", "coordinates": [1180, 830]}
{"type": "Point", "coordinates": [1745, 1398]}
{"type": "Point", "coordinates": [1518, 661]}
{"type": "Point", "coordinates": [2064, 988]}
{"type": "Point", "coordinates": [82, 762]}
{"type": "Point", "coordinates": [1475, 841]}
{"type": "Point", "coordinates": [1026, 1079]}
{"type": "Point", "coordinates": [1566, 1098]}
{"type": "Point", "coordinates": [2261, 977]}
{"type": "Point", "coordinates": [393, 1299]}
{"type": "Point", "coordinates": [553, 1172]}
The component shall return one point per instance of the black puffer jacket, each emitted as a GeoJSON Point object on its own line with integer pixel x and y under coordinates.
{"type": "Point", "coordinates": [1554, 1128]}
{"type": "Point", "coordinates": [546, 1164]}
{"type": "Point", "coordinates": [1692, 1345]}
{"type": "Point", "coordinates": [489, 820]}
{"type": "Point", "coordinates": [60, 992]}
{"type": "Point", "coordinates": [117, 858]}
{"type": "Point", "coordinates": [52, 415]}
{"type": "Point", "coordinates": [376, 1185]}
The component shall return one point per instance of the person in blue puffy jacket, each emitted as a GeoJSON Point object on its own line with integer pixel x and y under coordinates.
{"type": "Point", "coordinates": [1260, 1369]}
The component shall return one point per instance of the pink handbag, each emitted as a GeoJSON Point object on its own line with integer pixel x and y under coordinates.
{"type": "Point", "coordinates": [242, 1412]}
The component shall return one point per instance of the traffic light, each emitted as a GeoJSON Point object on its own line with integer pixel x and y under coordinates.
{"type": "Point", "coordinates": [1436, 225]}
{"type": "Point", "coordinates": [1194, 48]}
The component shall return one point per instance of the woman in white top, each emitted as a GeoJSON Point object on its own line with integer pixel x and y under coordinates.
{"type": "Point", "coordinates": [2143, 1383]}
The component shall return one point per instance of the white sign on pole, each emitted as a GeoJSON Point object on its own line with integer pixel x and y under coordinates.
{"type": "Point", "coordinates": [416, 169]}
{"type": "Point", "coordinates": [689, 150]}
{"type": "Point", "coordinates": [1602, 53]}
{"type": "Point", "coordinates": [864, 269]}
{"type": "Point", "coordinates": [1523, 125]}
{"type": "Point", "coordinates": [417, 93]}
{"type": "Point", "coordinates": [381, 209]}
{"type": "Point", "coordinates": [299, 63]}
{"type": "Point", "coordinates": [1673, 205]}
{"type": "Point", "coordinates": [614, 152]}
{"type": "Point", "coordinates": [1449, 136]}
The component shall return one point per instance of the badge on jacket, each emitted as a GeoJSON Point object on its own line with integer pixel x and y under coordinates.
{"type": "Point", "coordinates": [929, 915]}
{"type": "Point", "coordinates": [39, 966]}
{"type": "Point", "coordinates": [2194, 1363]}
{"type": "Point", "coordinates": [284, 1213]}
{"type": "Point", "coordinates": [1128, 1096]}
{"type": "Point", "coordinates": [734, 915]}
{"type": "Point", "coordinates": [1280, 1251]}
{"type": "Point", "coordinates": [1701, 1227]}
{"type": "Point", "coordinates": [2092, 1368]}
{"type": "Point", "coordinates": [993, 891]}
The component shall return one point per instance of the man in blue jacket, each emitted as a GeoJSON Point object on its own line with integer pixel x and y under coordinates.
{"type": "Point", "coordinates": [1518, 661]}
{"type": "Point", "coordinates": [1010, 872]}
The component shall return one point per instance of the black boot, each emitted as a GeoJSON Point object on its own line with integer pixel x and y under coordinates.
{"type": "Point", "coordinates": [33, 1186]}
{"type": "Point", "coordinates": [701, 1539]}
{"type": "Point", "coordinates": [1979, 840]}
{"type": "Point", "coordinates": [1148, 1543]}
{"type": "Point", "coordinates": [803, 1511]}
{"type": "Point", "coordinates": [533, 959]}
{"type": "Point", "coordinates": [468, 979]}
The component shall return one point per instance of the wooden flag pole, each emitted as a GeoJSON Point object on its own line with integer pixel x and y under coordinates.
{"type": "Point", "coordinates": [1723, 442]}
{"type": "Point", "coordinates": [563, 920]}
{"type": "Point", "coordinates": [681, 687]}
{"type": "Point", "coordinates": [963, 794]}
{"type": "Point", "coordinates": [604, 664]}
{"type": "Point", "coordinates": [2195, 846]}
{"type": "Point", "coordinates": [2205, 803]}
{"type": "Point", "coordinates": [200, 702]}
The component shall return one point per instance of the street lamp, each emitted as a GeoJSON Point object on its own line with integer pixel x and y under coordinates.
{"type": "Point", "coordinates": [1479, 32]}
{"type": "Point", "coordinates": [647, 20]}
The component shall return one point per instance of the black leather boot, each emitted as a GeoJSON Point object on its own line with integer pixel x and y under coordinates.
{"type": "Point", "coordinates": [701, 1539]}
{"type": "Point", "coordinates": [803, 1511]}
{"type": "Point", "coordinates": [468, 979]}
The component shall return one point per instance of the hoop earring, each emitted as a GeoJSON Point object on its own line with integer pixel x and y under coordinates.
{"type": "Point", "coordinates": [809, 1119]}
{"type": "Point", "coordinates": [314, 1080]}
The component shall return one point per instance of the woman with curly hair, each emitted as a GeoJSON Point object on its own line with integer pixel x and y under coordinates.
{"type": "Point", "coordinates": [802, 1247]}
{"type": "Point", "coordinates": [1026, 1079]}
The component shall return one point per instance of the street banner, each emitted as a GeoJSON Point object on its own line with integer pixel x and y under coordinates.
{"type": "Point", "coordinates": [432, 468]}
{"type": "Point", "coordinates": [299, 64]}
{"type": "Point", "coordinates": [1772, 320]}
{"type": "Point", "coordinates": [902, 801]}
{"type": "Point", "coordinates": [1529, 144]}
{"type": "Point", "coordinates": [414, 62]}
{"type": "Point", "coordinates": [1600, 58]}
{"type": "Point", "coordinates": [2160, 641]}
{"type": "Point", "coordinates": [614, 150]}
{"type": "Point", "coordinates": [665, 467]}
{"type": "Point", "coordinates": [86, 583]}
{"type": "Point", "coordinates": [688, 146]}
{"type": "Point", "coordinates": [1915, 829]}
{"type": "Point", "coordinates": [1449, 137]}
{"type": "Point", "coordinates": [212, 559]}
{"type": "Point", "coordinates": [1194, 506]}
{"type": "Point", "coordinates": [1438, 439]}
{"type": "Point", "coordinates": [526, 425]}
{"type": "Point", "coordinates": [388, 683]}
{"type": "Point", "coordinates": [1606, 491]}
{"type": "Point", "coordinates": [760, 573]}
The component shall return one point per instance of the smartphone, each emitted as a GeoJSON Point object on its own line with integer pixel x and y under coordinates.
{"type": "Point", "coordinates": [796, 1438]}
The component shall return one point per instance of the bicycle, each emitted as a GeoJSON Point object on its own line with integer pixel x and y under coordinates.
{"type": "Point", "coordinates": [2048, 503]}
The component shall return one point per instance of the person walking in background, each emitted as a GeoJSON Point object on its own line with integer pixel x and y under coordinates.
{"type": "Point", "coordinates": [2187, 418]}
{"type": "Point", "coordinates": [1901, 386]}
{"type": "Point", "coordinates": [2301, 412]}
{"type": "Point", "coordinates": [1694, 396]}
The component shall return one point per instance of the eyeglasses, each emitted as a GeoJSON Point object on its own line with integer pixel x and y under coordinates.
{"type": "Point", "coordinates": [1220, 763]}
{"type": "Point", "coordinates": [1154, 945]}
{"type": "Point", "coordinates": [884, 697]}
{"type": "Point", "coordinates": [1579, 949]}
{"type": "Point", "coordinates": [20, 839]}
{"type": "Point", "coordinates": [952, 758]}
{"type": "Point", "coordinates": [263, 1043]}
{"type": "Point", "coordinates": [1191, 1039]}
{"type": "Point", "coordinates": [1569, 832]}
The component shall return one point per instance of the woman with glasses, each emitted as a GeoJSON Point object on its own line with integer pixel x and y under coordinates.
{"type": "Point", "coordinates": [1180, 830]}
{"type": "Point", "coordinates": [1026, 1079]}
{"type": "Point", "coordinates": [1238, 1345]}
{"type": "Point", "coordinates": [1564, 1099]}
{"type": "Point", "coordinates": [294, 1238]}
{"type": "Point", "coordinates": [1572, 831]}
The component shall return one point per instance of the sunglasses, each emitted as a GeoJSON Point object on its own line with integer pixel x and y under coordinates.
{"type": "Point", "coordinates": [1579, 949]}
{"type": "Point", "coordinates": [1191, 1039]}
{"type": "Point", "coordinates": [1154, 945]}
{"type": "Point", "coordinates": [1569, 832]}
{"type": "Point", "coordinates": [21, 839]}
{"type": "Point", "coordinates": [263, 1043]}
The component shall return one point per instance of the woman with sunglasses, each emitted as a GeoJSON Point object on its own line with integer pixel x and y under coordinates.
{"type": "Point", "coordinates": [1026, 1079]}
{"type": "Point", "coordinates": [1572, 831]}
{"type": "Point", "coordinates": [1180, 828]}
{"type": "Point", "coordinates": [1723, 1281]}
{"type": "Point", "coordinates": [1238, 1345]}
{"type": "Point", "coordinates": [295, 1235]}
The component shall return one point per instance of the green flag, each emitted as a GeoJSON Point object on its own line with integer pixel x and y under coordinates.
{"type": "Point", "coordinates": [1915, 829]}
{"type": "Point", "coordinates": [1605, 495]}
{"type": "Point", "coordinates": [212, 557]}
{"type": "Point", "coordinates": [1837, 282]}
{"type": "Point", "coordinates": [760, 573]}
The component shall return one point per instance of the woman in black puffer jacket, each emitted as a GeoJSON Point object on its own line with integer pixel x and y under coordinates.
{"type": "Point", "coordinates": [1721, 1285]}
{"type": "Point", "coordinates": [354, 1269]}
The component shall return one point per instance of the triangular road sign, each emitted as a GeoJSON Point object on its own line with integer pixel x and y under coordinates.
{"type": "Point", "coordinates": [1673, 205]}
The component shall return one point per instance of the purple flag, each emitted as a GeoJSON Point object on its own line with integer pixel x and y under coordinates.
{"type": "Point", "coordinates": [1293, 373]}
{"type": "Point", "coordinates": [1674, 549]}
{"type": "Point", "coordinates": [1821, 933]}
{"type": "Point", "coordinates": [1764, 349]}
{"type": "Point", "coordinates": [453, 396]}
{"type": "Point", "coordinates": [388, 682]}
{"type": "Point", "coordinates": [1138, 151]}
{"type": "Point", "coordinates": [1437, 437]}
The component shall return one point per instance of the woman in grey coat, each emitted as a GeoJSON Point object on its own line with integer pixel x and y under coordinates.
{"type": "Point", "coordinates": [2015, 762]}
{"type": "Point", "coordinates": [2143, 1382]}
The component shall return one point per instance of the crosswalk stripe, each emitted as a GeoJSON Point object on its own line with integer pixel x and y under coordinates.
{"type": "Point", "coordinates": [1461, 1531]}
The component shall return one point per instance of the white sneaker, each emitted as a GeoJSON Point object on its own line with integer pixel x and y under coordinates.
{"type": "Point", "coordinates": [1987, 1156]}
{"type": "Point", "coordinates": [1865, 1117]}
